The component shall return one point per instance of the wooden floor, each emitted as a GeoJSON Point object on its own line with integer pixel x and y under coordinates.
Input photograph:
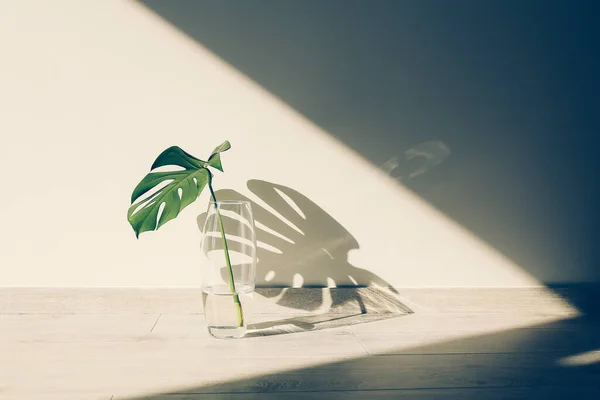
{"type": "Point", "coordinates": [444, 344]}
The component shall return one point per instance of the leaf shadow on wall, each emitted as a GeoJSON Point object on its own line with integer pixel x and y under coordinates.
{"type": "Point", "coordinates": [310, 249]}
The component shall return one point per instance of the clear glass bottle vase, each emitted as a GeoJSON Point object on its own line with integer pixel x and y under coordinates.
{"type": "Point", "coordinates": [228, 267]}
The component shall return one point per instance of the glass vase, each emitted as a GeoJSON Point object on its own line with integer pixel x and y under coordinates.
{"type": "Point", "coordinates": [228, 267]}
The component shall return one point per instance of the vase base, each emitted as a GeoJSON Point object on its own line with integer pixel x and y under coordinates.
{"type": "Point", "coordinates": [227, 332]}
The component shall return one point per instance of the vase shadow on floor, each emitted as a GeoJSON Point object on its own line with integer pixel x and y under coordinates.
{"type": "Point", "coordinates": [375, 305]}
{"type": "Point", "coordinates": [300, 247]}
{"type": "Point", "coordinates": [312, 323]}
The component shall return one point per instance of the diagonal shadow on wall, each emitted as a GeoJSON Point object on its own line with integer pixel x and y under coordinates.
{"type": "Point", "coordinates": [512, 93]}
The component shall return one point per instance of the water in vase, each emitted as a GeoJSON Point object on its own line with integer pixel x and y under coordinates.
{"type": "Point", "coordinates": [222, 313]}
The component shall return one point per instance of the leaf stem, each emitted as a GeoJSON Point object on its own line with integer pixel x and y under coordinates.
{"type": "Point", "coordinates": [236, 297]}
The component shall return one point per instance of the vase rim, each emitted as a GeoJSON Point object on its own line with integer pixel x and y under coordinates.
{"type": "Point", "coordinates": [230, 202]}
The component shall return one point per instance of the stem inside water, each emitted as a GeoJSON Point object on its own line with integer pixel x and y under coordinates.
{"type": "Point", "coordinates": [236, 297]}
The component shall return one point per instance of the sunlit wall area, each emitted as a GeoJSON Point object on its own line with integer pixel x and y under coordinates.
{"type": "Point", "coordinates": [436, 163]}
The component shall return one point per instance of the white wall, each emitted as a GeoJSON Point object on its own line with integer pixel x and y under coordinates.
{"type": "Point", "coordinates": [91, 92]}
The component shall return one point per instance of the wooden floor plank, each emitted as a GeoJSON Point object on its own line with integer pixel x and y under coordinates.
{"type": "Point", "coordinates": [460, 321]}
{"type": "Point", "coordinates": [168, 367]}
{"type": "Point", "coordinates": [75, 327]}
{"type": "Point", "coordinates": [549, 393]}
{"type": "Point", "coordinates": [556, 337]}
{"type": "Point", "coordinates": [192, 325]}
{"type": "Point", "coordinates": [418, 372]}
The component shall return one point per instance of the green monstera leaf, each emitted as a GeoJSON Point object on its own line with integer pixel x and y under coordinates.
{"type": "Point", "coordinates": [174, 190]}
